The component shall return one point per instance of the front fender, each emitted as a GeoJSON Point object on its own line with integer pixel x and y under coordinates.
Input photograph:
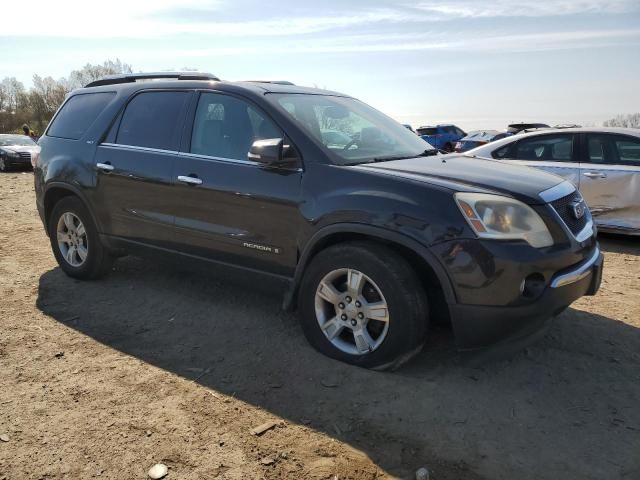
{"type": "Point", "coordinates": [376, 233]}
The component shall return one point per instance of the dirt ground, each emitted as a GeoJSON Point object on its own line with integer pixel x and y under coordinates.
{"type": "Point", "coordinates": [159, 364]}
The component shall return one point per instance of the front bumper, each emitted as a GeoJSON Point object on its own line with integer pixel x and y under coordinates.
{"type": "Point", "coordinates": [499, 311]}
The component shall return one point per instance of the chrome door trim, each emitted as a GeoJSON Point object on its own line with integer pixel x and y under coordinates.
{"type": "Point", "coordinates": [137, 148]}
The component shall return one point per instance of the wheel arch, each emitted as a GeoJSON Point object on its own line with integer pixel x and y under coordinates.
{"type": "Point", "coordinates": [432, 275]}
{"type": "Point", "coordinates": [55, 192]}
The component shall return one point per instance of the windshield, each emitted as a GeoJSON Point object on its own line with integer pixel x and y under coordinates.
{"type": "Point", "coordinates": [351, 131]}
{"type": "Point", "coordinates": [16, 140]}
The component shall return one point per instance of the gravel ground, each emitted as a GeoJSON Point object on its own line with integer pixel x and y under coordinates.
{"type": "Point", "coordinates": [159, 364]}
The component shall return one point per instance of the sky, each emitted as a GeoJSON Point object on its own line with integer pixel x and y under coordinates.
{"type": "Point", "coordinates": [477, 63]}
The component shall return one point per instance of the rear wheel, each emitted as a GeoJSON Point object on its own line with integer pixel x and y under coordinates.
{"type": "Point", "coordinates": [75, 241]}
{"type": "Point", "coordinates": [363, 304]}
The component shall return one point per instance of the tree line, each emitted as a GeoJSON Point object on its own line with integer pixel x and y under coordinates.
{"type": "Point", "coordinates": [35, 106]}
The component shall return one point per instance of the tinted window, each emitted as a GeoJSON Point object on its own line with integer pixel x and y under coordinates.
{"type": "Point", "coordinates": [614, 149]}
{"type": "Point", "coordinates": [226, 126]}
{"type": "Point", "coordinates": [545, 148]}
{"type": "Point", "coordinates": [78, 114]}
{"type": "Point", "coordinates": [427, 131]}
{"type": "Point", "coordinates": [153, 120]}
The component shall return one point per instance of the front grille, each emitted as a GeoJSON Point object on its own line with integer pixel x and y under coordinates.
{"type": "Point", "coordinates": [564, 208]}
{"type": "Point", "coordinates": [26, 156]}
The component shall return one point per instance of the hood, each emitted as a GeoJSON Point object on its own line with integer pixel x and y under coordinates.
{"type": "Point", "coordinates": [462, 173]}
{"type": "Point", "coordinates": [21, 148]}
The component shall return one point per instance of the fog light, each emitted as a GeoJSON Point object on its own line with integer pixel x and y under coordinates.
{"type": "Point", "coordinates": [532, 286]}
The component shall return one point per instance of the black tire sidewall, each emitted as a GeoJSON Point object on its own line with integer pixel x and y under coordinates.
{"type": "Point", "coordinates": [401, 288]}
{"type": "Point", "coordinates": [93, 265]}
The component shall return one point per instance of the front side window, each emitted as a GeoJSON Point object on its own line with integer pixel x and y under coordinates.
{"type": "Point", "coordinates": [350, 131]}
{"type": "Point", "coordinates": [613, 149]}
{"type": "Point", "coordinates": [226, 127]}
{"type": "Point", "coordinates": [153, 120]}
{"type": "Point", "coordinates": [78, 114]}
{"type": "Point", "coordinates": [558, 148]}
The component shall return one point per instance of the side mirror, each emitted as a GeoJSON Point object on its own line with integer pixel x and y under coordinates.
{"type": "Point", "coordinates": [269, 152]}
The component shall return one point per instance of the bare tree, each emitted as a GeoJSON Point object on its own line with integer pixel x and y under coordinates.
{"type": "Point", "coordinates": [631, 120]}
{"type": "Point", "coordinates": [89, 73]}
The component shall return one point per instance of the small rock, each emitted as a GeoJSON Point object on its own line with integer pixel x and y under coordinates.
{"type": "Point", "coordinates": [267, 461]}
{"type": "Point", "coordinates": [148, 432]}
{"type": "Point", "coordinates": [422, 474]}
{"type": "Point", "coordinates": [4, 437]}
{"type": "Point", "coordinates": [159, 470]}
{"type": "Point", "coordinates": [59, 355]}
{"type": "Point", "coordinates": [260, 429]}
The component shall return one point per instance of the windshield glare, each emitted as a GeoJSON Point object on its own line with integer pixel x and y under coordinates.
{"type": "Point", "coordinates": [16, 140]}
{"type": "Point", "coordinates": [351, 131]}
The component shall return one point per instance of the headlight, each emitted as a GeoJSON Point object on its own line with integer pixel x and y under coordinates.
{"type": "Point", "coordinates": [9, 154]}
{"type": "Point", "coordinates": [503, 218]}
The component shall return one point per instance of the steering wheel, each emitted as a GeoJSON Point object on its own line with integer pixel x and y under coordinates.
{"type": "Point", "coordinates": [350, 144]}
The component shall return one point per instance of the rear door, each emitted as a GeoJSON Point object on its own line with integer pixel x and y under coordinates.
{"type": "Point", "coordinates": [555, 153]}
{"type": "Point", "coordinates": [232, 209]}
{"type": "Point", "coordinates": [135, 187]}
{"type": "Point", "coordinates": [610, 179]}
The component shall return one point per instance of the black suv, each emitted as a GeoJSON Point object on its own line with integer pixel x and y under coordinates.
{"type": "Point", "coordinates": [375, 233]}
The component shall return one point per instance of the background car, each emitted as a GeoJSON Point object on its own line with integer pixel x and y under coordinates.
{"type": "Point", "coordinates": [15, 151]}
{"type": "Point", "coordinates": [476, 139]}
{"type": "Point", "coordinates": [520, 127]}
{"type": "Point", "coordinates": [604, 163]}
{"type": "Point", "coordinates": [442, 137]}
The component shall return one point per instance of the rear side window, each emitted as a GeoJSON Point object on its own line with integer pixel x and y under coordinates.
{"type": "Point", "coordinates": [557, 148]}
{"type": "Point", "coordinates": [153, 120]}
{"type": "Point", "coordinates": [78, 114]}
{"type": "Point", "coordinates": [614, 149]}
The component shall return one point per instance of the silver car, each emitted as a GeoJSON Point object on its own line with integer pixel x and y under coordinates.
{"type": "Point", "coordinates": [604, 163]}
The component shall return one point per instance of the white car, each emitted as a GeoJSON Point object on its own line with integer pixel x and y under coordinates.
{"type": "Point", "coordinates": [16, 151]}
{"type": "Point", "coordinates": [603, 163]}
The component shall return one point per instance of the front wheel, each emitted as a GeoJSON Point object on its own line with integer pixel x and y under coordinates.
{"type": "Point", "coordinates": [363, 304]}
{"type": "Point", "coordinates": [75, 241]}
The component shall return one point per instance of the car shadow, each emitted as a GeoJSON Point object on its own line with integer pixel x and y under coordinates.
{"type": "Point", "coordinates": [562, 407]}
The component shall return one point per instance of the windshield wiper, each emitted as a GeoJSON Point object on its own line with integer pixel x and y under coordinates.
{"type": "Point", "coordinates": [427, 153]}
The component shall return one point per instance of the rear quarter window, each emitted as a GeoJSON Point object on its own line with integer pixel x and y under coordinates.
{"type": "Point", "coordinates": [78, 114]}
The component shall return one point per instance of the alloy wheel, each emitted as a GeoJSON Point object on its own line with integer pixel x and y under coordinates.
{"type": "Point", "coordinates": [72, 239]}
{"type": "Point", "coordinates": [351, 311]}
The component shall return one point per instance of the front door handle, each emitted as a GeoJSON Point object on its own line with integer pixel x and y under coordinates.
{"type": "Point", "coordinates": [595, 174]}
{"type": "Point", "coordinates": [105, 167]}
{"type": "Point", "coordinates": [190, 180]}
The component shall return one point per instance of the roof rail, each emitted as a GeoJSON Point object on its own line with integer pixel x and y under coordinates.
{"type": "Point", "coordinates": [275, 82]}
{"type": "Point", "coordinates": [133, 77]}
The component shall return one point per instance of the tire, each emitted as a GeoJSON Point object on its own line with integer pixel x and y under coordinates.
{"type": "Point", "coordinates": [448, 147]}
{"type": "Point", "coordinates": [388, 278]}
{"type": "Point", "coordinates": [97, 261]}
{"type": "Point", "coordinates": [3, 166]}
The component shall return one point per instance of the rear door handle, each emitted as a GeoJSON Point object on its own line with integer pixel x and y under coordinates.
{"type": "Point", "coordinates": [595, 174]}
{"type": "Point", "coordinates": [105, 167]}
{"type": "Point", "coordinates": [190, 180]}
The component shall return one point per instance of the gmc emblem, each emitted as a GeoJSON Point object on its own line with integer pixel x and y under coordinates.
{"type": "Point", "coordinates": [577, 208]}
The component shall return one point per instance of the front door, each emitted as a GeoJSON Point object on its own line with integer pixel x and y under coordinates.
{"type": "Point", "coordinates": [135, 164]}
{"type": "Point", "coordinates": [610, 180]}
{"type": "Point", "coordinates": [232, 209]}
